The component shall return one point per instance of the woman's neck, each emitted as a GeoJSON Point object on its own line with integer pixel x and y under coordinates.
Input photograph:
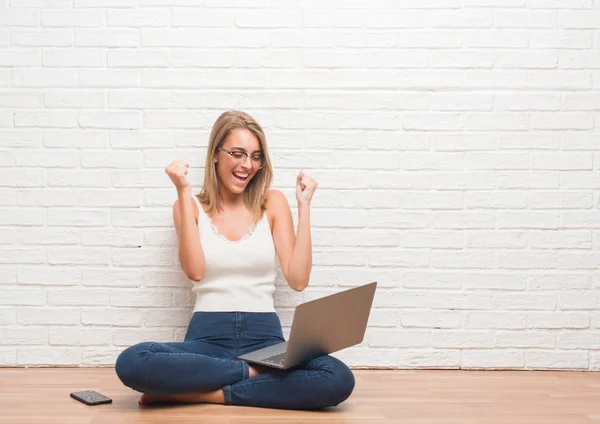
{"type": "Point", "coordinates": [230, 200]}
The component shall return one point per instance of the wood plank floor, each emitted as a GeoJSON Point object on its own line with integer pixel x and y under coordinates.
{"type": "Point", "coordinates": [41, 395]}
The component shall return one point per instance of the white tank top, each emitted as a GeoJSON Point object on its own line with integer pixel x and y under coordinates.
{"type": "Point", "coordinates": [240, 275]}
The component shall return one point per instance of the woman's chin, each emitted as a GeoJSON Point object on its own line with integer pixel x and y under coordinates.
{"type": "Point", "coordinates": [238, 186]}
{"type": "Point", "coordinates": [237, 189]}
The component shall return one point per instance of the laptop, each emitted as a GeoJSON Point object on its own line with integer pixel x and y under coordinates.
{"type": "Point", "coordinates": [320, 327]}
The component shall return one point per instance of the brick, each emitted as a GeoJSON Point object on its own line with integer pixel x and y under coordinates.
{"type": "Point", "coordinates": [22, 255]}
{"type": "Point", "coordinates": [112, 277]}
{"type": "Point", "coordinates": [129, 58]}
{"type": "Point", "coordinates": [75, 99]}
{"type": "Point", "coordinates": [195, 17]}
{"type": "Point", "coordinates": [112, 317]}
{"type": "Point", "coordinates": [525, 339]}
{"type": "Point", "coordinates": [435, 319]}
{"type": "Point", "coordinates": [44, 158]}
{"type": "Point", "coordinates": [527, 219]}
{"type": "Point", "coordinates": [561, 239]}
{"type": "Point", "coordinates": [22, 296]}
{"type": "Point", "coordinates": [46, 119]}
{"type": "Point", "coordinates": [496, 320]}
{"type": "Point", "coordinates": [557, 320]}
{"type": "Point", "coordinates": [123, 257]}
{"type": "Point", "coordinates": [463, 220]}
{"type": "Point", "coordinates": [41, 38]}
{"type": "Point", "coordinates": [77, 256]}
{"type": "Point", "coordinates": [461, 339]}
{"type": "Point", "coordinates": [497, 199]}
{"type": "Point", "coordinates": [528, 179]}
{"type": "Point", "coordinates": [525, 19]}
{"type": "Point", "coordinates": [559, 281]}
{"type": "Point", "coordinates": [514, 141]}
{"type": "Point", "coordinates": [110, 38]}
{"type": "Point", "coordinates": [78, 336]}
{"type": "Point", "coordinates": [487, 359]}
{"type": "Point", "coordinates": [136, 18]}
{"type": "Point", "coordinates": [554, 39]}
{"type": "Point", "coordinates": [44, 276]}
{"type": "Point", "coordinates": [24, 336]}
{"type": "Point", "coordinates": [8, 276]}
{"type": "Point", "coordinates": [48, 316]}
{"type": "Point", "coordinates": [33, 355]}
{"type": "Point", "coordinates": [524, 302]}
{"type": "Point", "coordinates": [494, 281]}
{"type": "Point", "coordinates": [557, 359]}
{"type": "Point", "coordinates": [72, 18]}
{"type": "Point", "coordinates": [526, 260]}
{"type": "Point", "coordinates": [429, 200]}
{"type": "Point", "coordinates": [78, 218]}
{"type": "Point", "coordinates": [104, 160]}
{"type": "Point", "coordinates": [8, 317]}
{"type": "Point", "coordinates": [112, 78]}
{"type": "Point", "coordinates": [75, 138]}
{"type": "Point", "coordinates": [431, 280]}
{"type": "Point", "coordinates": [489, 239]}
{"type": "Point", "coordinates": [475, 259]}
{"type": "Point", "coordinates": [133, 100]}
{"type": "Point", "coordinates": [463, 180]}
{"type": "Point", "coordinates": [398, 338]}
{"type": "Point", "coordinates": [580, 19]}
{"type": "Point", "coordinates": [461, 301]}
{"type": "Point", "coordinates": [128, 337]}
{"type": "Point", "coordinates": [23, 99]}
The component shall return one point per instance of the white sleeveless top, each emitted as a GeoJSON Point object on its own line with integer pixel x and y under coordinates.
{"type": "Point", "coordinates": [240, 275]}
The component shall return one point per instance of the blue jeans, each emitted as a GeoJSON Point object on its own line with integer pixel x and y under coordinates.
{"type": "Point", "coordinates": [206, 361]}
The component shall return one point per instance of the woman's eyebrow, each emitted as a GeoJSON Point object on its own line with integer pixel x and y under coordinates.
{"type": "Point", "coordinates": [244, 150]}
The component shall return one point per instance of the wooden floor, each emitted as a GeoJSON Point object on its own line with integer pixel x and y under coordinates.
{"type": "Point", "coordinates": [41, 395]}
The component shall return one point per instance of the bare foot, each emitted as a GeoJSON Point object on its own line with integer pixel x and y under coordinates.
{"type": "Point", "coordinates": [148, 399]}
{"type": "Point", "coordinates": [254, 370]}
{"type": "Point", "coordinates": [216, 396]}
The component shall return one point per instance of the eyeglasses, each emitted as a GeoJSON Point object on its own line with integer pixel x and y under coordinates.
{"type": "Point", "coordinates": [256, 159]}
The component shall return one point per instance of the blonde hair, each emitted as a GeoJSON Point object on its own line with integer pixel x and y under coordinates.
{"type": "Point", "coordinates": [254, 194]}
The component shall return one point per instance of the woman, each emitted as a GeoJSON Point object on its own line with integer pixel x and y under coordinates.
{"type": "Point", "coordinates": [228, 238]}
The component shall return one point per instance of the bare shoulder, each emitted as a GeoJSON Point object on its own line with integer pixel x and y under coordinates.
{"type": "Point", "coordinates": [276, 204]}
{"type": "Point", "coordinates": [275, 200]}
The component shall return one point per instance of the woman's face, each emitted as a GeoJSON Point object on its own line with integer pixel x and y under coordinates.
{"type": "Point", "coordinates": [236, 168]}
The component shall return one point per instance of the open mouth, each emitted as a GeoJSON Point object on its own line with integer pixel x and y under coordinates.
{"type": "Point", "coordinates": [240, 177]}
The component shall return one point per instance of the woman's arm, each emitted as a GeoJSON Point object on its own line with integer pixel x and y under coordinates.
{"type": "Point", "coordinates": [185, 217]}
{"type": "Point", "coordinates": [191, 255]}
{"type": "Point", "coordinates": [294, 251]}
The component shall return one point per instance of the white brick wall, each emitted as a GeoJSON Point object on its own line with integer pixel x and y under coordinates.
{"type": "Point", "coordinates": [456, 143]}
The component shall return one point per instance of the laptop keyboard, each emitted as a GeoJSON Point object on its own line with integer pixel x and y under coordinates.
{"type": "Point", "coordinates": [278, 359]}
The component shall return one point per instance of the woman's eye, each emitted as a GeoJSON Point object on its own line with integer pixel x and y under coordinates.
{"type": "Point", "coordinates": [237, 155]}
{"type": "Point", "coordinates": [257, 158]}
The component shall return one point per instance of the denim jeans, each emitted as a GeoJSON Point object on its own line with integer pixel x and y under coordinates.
{"type": "Point", "coordinates": [206, 361]}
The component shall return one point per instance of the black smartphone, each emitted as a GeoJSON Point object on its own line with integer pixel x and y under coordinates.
{"type": "Point", "coordinates": [91, 397]}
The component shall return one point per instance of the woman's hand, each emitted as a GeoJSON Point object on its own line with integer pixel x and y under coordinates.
{"type": "Point", "coordinates": [177, 172]}
{"type": "Point", "coordinates": [305, 188]}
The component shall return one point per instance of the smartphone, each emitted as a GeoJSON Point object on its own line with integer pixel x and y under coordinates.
{"type": "Point", "coordinates": [91, 397]}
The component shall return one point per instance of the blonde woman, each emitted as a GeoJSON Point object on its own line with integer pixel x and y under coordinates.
{"type": "Point", "coordinates": [229, 236]}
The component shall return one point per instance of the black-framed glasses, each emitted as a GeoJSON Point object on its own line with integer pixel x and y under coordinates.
{"type": "Point", "coordinates": [256, 159]}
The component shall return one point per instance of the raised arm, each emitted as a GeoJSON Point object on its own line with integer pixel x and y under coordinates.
{"type": "Point", "coordinates": [185, 217]}
{"type": "Point", "coordinates": [294, 251]}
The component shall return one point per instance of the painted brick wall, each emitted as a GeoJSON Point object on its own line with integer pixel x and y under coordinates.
{"type": "Point", "coordinates": [456, 143]}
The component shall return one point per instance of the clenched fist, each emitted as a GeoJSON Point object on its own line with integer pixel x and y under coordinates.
{"type": "Point", "coordinates": [305, 188]}
{"type": "Point", "coordinates": [177, 172]}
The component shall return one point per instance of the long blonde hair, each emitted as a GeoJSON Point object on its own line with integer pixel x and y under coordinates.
{"type": "Point", "coordinates": [254, 194]}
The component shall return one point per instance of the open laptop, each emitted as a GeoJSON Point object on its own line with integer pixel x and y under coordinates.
{"type": "Point", "coordinates": [320, 327]}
